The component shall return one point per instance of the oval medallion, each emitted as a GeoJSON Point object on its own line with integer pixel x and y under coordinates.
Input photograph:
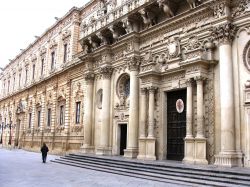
{"type": "Point", "coordinates": [179, 106]}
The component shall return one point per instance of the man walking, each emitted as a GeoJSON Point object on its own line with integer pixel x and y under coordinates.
{"type": "Point", "coordinates": [44, 151]}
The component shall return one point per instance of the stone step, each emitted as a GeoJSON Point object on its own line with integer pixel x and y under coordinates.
{"type": "Point", "coordinates": [178, 172]}
{"type": "Point", "coordinates": [164, 171]}
{"type": "Point", "coordinates": [228, 172]}
{"type": "Point", "coordinates": [146, 175]}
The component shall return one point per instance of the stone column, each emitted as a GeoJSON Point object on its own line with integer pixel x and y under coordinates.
{"type": "Point", "coordinates": [88, 110]}
{"type": "Point", "coordinates": [224, 34]}
{"type": "Point", "coordinates": [200, 140]}
{"type": "Point", "coordinates": [132, 135]}
{"type": "Point", "coordinates": [143, 120]}
{"type": "Point", "coordinates": [200, 112]}
{"type": "Point", "coordinates": [150, 145]}
{"type": "Point", "coordinates": [104, 148]}
{"type": "Point", "coordinates": [189, 139]}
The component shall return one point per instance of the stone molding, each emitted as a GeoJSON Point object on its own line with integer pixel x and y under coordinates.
{"type": "Point", "coordinates": [224, 34]}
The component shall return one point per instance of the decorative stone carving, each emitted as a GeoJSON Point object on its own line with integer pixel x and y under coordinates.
{"type": "Point", "coordinates": [240, 8]}
{"type": "Point", "coordinates": [106, 72]}
{"type": "Point", "coordinates": [90, 76]}
{"type": "Point", "coordinates": [246, 56]}
{"type": "Point", "coordinates": [173, 46]}
{"type": "Point", "coordinates": [149, 19]}
{"type": "Point", "coordinates": [224, 33]}
{"type": "Point", "coordinates": [134, 63]}
{"type": "Point", "coordinates": [164, 4]}
{"type": "Point", "coordinates": [193, 3]}
{"type": "Point", "coordinates": [219, 10]}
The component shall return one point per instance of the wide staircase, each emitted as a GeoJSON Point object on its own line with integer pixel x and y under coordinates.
{"type": "Point", "coordinates": [168, 172]}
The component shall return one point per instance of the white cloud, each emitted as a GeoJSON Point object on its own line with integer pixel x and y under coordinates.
{"type": "Point", "coordinates": [22, 20]}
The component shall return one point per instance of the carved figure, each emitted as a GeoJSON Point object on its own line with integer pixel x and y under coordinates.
{"type": "Point", "coordinates": [148, 18]}
{"type": "Point", "coordinates": [166, 8]}
{"type": "Point", "coordinates": [192, 3]}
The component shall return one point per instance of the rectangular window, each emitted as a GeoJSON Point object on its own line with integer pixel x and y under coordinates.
{"type": "Point", "coordinates": [78, 110]}
{"type": "Point", "coordinates": [42, 66]}
{"type": "Point", "coordinates": [38, 118]}
{"type": "Point", "coordinates": [14, 81]}
{"type": "Point", "coordinates": [8, 86]}
{"type": "Point", "coordinates": [26, 76]}
{"type": "Point", "coordinates": [61, 115]}
{"type": "Point", "coordinates": [65, 53]}
{"type": "Point", "coordinates": [52, 60]}
{"type": "Point", "coordinates": [33, 71]}
{"type": "Point", "coordinates": [30, 117]}
{"type": "Point", "coordinates": [49, 117]}
{"type": "Point", "coordinates": [4, 91]}
{"type": "Point", "coordinates": [19, 80]}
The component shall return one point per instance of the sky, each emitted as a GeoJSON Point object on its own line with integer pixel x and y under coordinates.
{"type": "Point", "coordinates": [22, 20]}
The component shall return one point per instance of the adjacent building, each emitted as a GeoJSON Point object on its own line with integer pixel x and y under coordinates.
{"type": "Point", "coordinates": [146, 79]}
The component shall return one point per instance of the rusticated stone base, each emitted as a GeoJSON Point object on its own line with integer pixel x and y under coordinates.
{"type": "Point", "coordinates": [229, 159]}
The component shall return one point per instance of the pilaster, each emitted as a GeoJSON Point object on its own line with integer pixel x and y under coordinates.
{"type": "Point", "coordinates": [87, 146]}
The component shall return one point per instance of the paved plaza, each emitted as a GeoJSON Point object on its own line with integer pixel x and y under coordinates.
{"type": "Point", "coordinates": [20, 168]}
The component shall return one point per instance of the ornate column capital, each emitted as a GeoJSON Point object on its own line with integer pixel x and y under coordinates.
{"type": "Point", "coordinates": [90, 76]}
{"type": "Point", "coordinates": [199, 79]}
{"type": "Point", "coordinates": [189, 82]}
{"type": "Point", "coordinates": [144, 91]}
{"type": "Point", "coordinates": [134, 63]}
{"type": "Point", "coordinates": [152, 89]}
{"type": "Point", "coordinates": [106, 72]}
{"type": "Point", "coordinates": [224, 34]}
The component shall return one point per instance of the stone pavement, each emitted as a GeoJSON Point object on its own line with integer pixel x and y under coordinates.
{"type": "Point", "coordinates": [19, 168]}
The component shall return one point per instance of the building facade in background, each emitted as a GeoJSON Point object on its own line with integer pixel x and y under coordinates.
{"type": "Point", "coordinates": [147, 79]}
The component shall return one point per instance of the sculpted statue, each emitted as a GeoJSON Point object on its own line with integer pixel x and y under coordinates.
{"type": "Point", "coordinates": [193, 3]}
{"type": "Point", "coordinates": [164, 4]}
{"type": "Point", "coordinates": [148, 18]}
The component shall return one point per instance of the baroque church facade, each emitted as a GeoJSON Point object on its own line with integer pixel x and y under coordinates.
{"type": "Point", "coordinates": [145, 79]}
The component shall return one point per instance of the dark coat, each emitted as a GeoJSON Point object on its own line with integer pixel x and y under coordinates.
{"type": "Point", "coordinates": [44, 150]}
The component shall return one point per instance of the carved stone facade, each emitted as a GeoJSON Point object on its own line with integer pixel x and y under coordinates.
{"type": "Point", "coordinates": [174, 73]}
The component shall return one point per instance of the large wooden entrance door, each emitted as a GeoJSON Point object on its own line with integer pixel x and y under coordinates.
{"type": "Point", "coordinates": [123, 140]}
{"type": "Point", "coordinates": [176, 124]}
